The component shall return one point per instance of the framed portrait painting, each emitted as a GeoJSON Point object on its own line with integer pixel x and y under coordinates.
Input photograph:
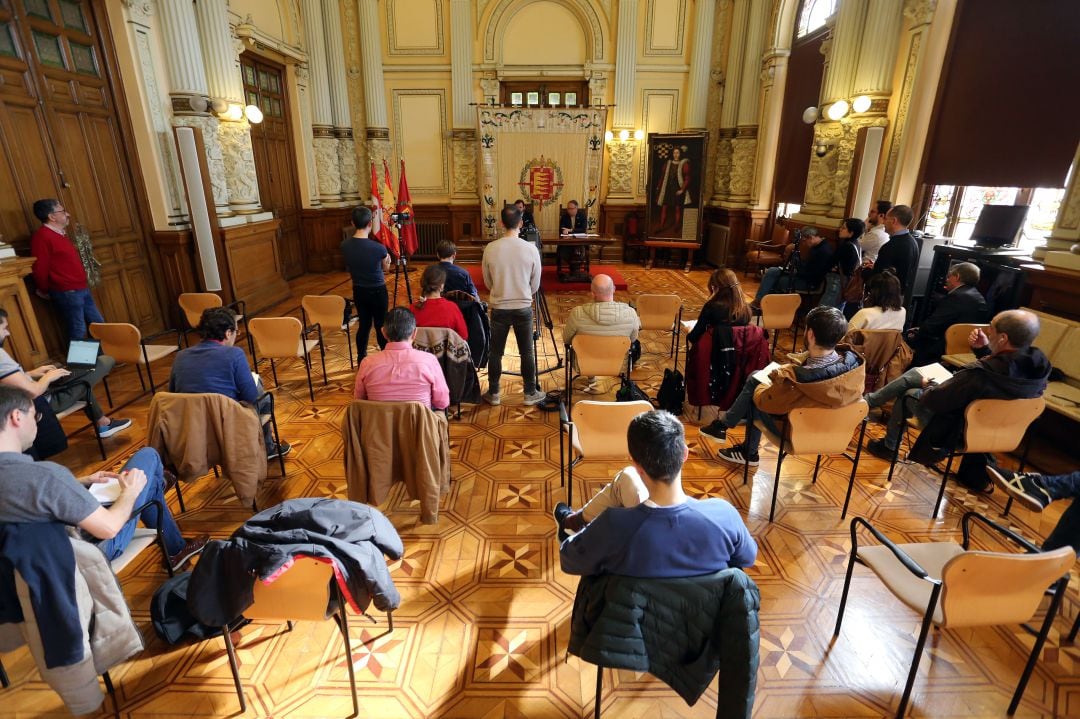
{"type": "Point", "coordinates": [676, 172]}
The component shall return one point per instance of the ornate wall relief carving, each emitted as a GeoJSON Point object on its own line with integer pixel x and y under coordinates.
{"type": "Point", "coordinates": [489, 85]}
{"type": "Point", "coordinates": [464, 160]}
{"type": "Point", "coordinates": [819, 178]}
{"type": "Point", "coordinates": [722, 179]}
{"type": "Point", "coordinates": [919, 12]}
{"type": "Point", "coordinates": [214, 160]}
{"type": "Point", "coordinates": [902, 108]}
{"type": "Point", "coordinates": [239, 159]}
{"type": "Point", "coordinates": [378, 150]}
{"type": "Point", "coordinates": [350, 191]}
{"type": "Point", "coordinates": [597, 88]}
{"type": "Point", "coordinates": [328, 167]}
{"type": "Point", "coordinates": [845, 155]}
{"type": "Point", "coordinates": [621, 168]}
{"type": "Point", "coordinates": [354, 82]}
{"type": "Point", "coordinates": [743, 158]}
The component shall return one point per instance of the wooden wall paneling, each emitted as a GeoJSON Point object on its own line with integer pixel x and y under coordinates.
{"type": "Point", "coordinates": [464, 223]}
{"type": "Point", "coordinates": [26, 344]}
{"type": "Point", "coordinates": [1052, 290]}
{"type": "Point", "coordinates": [745, 225]}
{"type": "Point", "coordinates": [177, 253]}
{"type": "Point", "coordinates": [322, 233]}
{"type": "Point", "coordinates": [254, 262]}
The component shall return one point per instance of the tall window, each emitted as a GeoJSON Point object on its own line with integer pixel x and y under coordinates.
{"type": "Point", "coordinates": [814, 13]}
{"type": "Point", "coordinates": [955, 209]}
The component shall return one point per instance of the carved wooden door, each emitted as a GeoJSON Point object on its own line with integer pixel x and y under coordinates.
{"type": "Point", "coordinates": [275, 162]}
{"type": "Point", "coordinates": [64, 139]}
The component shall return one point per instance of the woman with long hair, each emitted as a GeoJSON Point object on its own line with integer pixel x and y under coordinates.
{"type": "Point", "coordinates": [726, 304]}
{"type": "Point", "coordinates": [883, 306]}
{"type": "Point", "coordinates": [432, 309]}
{"type": "Point", "coordinates": [846, 262]}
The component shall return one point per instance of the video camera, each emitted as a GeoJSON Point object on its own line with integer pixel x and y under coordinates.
{"type": "Point", "coordinates": [531, 233]}
{"type": "Point", "coordinates": [400, 218]}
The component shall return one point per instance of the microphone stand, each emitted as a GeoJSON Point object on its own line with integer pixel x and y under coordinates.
{"type": "Point", "coordinates": [402, 267]}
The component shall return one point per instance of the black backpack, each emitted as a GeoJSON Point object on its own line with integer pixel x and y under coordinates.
{"type": "Point", "coordinates": [672, 392]}
{"type": "Point", "coordinates": [629, 392]}
{"type": "Point", "coordinates": [170, 615]}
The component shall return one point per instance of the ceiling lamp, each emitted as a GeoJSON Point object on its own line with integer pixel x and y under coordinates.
{"type": "Point", "coordinates": [837, 110]}
{"type": "Point", "coordinates": [861, 103]}
{"type": "Point", "coordinates": [810, 115]}
{"type": "Point", "coordinates": [253, 114]}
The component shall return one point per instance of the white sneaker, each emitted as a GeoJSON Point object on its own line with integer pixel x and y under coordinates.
{"type": "Point", "coordinates": [491, 398]}
{"type": "Point", "coordinates": [535, 398]}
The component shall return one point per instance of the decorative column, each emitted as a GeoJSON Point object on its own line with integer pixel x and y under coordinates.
{"type": "Point", "coordinates": [138, 16]}
{"type": "Point", "coordinates": [774, 80]}
{"type": "Point", "coordinates": [303, 92]}
{"type": "Point", "coordinates": [225, 84]}
{"type": "Point", "coordinates": [846, 38]}
{"type": "Point", "coordinates": [1066, 230]}
{"type": "Point", "coordinates": [188, 90]}
{"type": "Point", "coordinates": [621, 152]}
{"type": "Point", "coordinates": [378, 129]}
{"type": "Point", "coordinates": [877, 55]}
{"type": "Point", "coordinates": [744, 145]}
{"type": "Point", "coordinates": [324, 143]}
{"type": "Point", "coordinates": [700, 61]}
{"type": "Point", "coordinates": [339, 101]}
{"type": "Point", "coordinates": [463, 138]}
{"type": "Point", "coordinates": [729, 107]}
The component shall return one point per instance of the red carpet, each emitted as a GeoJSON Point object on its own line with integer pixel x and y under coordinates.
{"type": "Point", "coordinates": [551, 283]}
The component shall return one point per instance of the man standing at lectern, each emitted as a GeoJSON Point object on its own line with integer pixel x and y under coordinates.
{"type": "Point", "coordinates": [59, 274]}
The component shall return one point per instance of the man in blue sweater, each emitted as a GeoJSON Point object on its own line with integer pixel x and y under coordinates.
{"type": "Point", "coordinates": [216, 365]}
{"type": "Point", "coordinates": [669, 534]}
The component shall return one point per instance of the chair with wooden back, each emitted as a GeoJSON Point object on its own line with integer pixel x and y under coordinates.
{"type": "Point", "coordinates": [596, 430]}
{"type": "Point", "coordinates": [306, 591]}
{"type": "Point", "coordinates": [957, 350]}
{"type": "Point", "coordinates": [760, 255]}
{"type": "Point", "coordinates": [193, 304]}
{"type": "Point", "coordinates": [992, 425]}
{"type": "Point", "coordinates": [952, 586]}
{"type": "Point", "coordinates": [286, 338]}
{"type": "Point", "coordinates": [778, 313]}
{"type": "Point", "coordinates": [819, 431]}
{"type": "Point", "coordinates": [124, 343]}
{"type": "Point", "coordinates": [596, 356]}
{"type": "Point", "coordinates": [326, 312]}
{"type": "Point", "coordinates": [662, 313]}
{"type": "Point", "coordinates": [79, 406]}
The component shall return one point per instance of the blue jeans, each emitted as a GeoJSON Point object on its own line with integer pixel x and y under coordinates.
{"type": "Point", "coordinates": [743, 408]}
{"type": "Point", "coordinates": [1067, 531]}
{"type": "Point", "coordinates": [831, 296]}
{"type": "Point", "coordinates": [522, 323]}
{"type": "Point", "coordinates": [909, 386]}
{"type": "Point", "coordinates": [148, 461]}
{"type": "Point", "coordinates": [776, 280]}
{"type": "Point", "coordinates": [77, 310]}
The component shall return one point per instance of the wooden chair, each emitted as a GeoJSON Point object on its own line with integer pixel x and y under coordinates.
{"type": "Point", "coordinates": [596, 356]}
{"type": "Point", "coordinates": [596, 430]}
{"type": "Point", "coordinates": [124, 343]}
{"type": "Point", "coordinates": [662, 313]}
{"type": "Point", "coordinates": [778, 313]}
{"type": "Point", "coordinates": [193, 304]}
{"type": "Point", "coordinates": [767, 254]}
{"type": "Point", "coordinates": [307, 590]}
{"type": "Point", "coordinates": [957, 350]}
{"type": "Point", "coordinates": [325, 313]}
{"type": "Point", "coordinates": [953, 586]}
{"type": "Point", "coordinates": [78, 406]}
{"type": "Point", "coordinates": [992, 425]}
{"type": "Point", "coordinates": [285, 338]}
{"type": "Point", "coordinates": [819, 431]}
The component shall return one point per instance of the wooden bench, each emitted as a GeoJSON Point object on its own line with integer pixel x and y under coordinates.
{"type": "Point", "coordinates": [688, 247]}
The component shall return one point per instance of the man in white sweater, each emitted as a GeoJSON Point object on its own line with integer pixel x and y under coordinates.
{"type": "Point", "coordinates": [512, 274]}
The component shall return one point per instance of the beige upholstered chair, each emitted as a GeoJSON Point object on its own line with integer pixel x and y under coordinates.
{"type": "Point", "coordinates": [326, 312]}
{"type": "Point", "coordinates": [124, 343]}
{"type": "Point", "coordinates": [778, 313]}
{"type": "Point", "coordinates": [819, 431]}
{"type": "Point", "coordinates": [286, 338]}
{"type": "Point", "coordinates": [953, 586]}
{"type": "Point", "coordinates": [596, 356]}
{"type": "Point", "coordinates": [306, 591]}
{"type": "Point", "coordinates": [596, 430]}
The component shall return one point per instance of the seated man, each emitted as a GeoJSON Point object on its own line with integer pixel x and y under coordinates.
{"type": "Point", "coordinates": [46, 492]}
{"type": "Point", "coordinates": [1036, 491]}
{"type": "Point", "coordinates": [830, 375]}
{"type": "Point", "coordinates": [527, 219]}
{"type": "Point", "coordinates": [456, 277]}
{"type": "Point", "coordinates": [399, 373]}
{"type": "Point", "coordinates": [963, 304]}
{"type": "Point", "coordinates": [217, 366]}
{"type": "Point", "coordinates": [48, 380]}
{"type": "Point", "coordinates": [666, 534]}
{"type": "Point", "coordinates": [1008, 368]}
{"type": "Point", "coordinates": [813, 257]}
{"type": "Point", "coordinates": [603, 316]}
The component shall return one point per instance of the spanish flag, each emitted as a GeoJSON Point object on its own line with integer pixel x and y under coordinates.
{"type": "Point", "coordinates": [378, 226]}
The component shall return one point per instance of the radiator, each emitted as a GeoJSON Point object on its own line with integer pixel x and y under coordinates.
{"type": "Point", "coordinates": [716, 247]}
{"type": "Point", "coordinates": [429, 233]}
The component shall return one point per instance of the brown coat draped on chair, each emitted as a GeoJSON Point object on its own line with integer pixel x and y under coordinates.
{"type": "Point", "coordinates": [887, 355]}
{"type": "Point", "coordinates": [387, 442]}
{"type": "Point", "coordinates": [195, 432]}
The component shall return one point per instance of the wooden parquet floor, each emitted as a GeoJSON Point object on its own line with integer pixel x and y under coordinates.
{"type": "Point", "coordinates": [482, 628]}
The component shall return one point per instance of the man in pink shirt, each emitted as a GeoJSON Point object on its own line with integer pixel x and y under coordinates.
{"type": "Point", "coordinates": [400, 373]}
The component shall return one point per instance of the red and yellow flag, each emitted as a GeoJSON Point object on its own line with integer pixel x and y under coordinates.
{"type": "Point", "coordinates": [378, 225]}
{"type": "Point", "coordinates": [404, 204]}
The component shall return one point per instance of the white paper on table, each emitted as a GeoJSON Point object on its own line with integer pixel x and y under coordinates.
{"type": "Point", "coordinates": [934, 372]}
{"type": "Point", "coordinates": [105, 492]}
{"type": "Point", "coordinates": [762, 375]}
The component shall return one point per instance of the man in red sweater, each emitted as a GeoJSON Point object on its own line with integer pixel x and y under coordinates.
{"type": "Point", "coordinates": [58, 270]}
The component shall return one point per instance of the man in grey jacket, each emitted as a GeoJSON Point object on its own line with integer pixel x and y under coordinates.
{"type": "Point", "coordinates": [512, 275]}
{"type": "Point", "coordinates": [603, 316]}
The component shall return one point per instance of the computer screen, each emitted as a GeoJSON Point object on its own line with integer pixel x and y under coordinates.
{"type": "Point", "coordinates": [83, 352]}
{"type": "Point", "coordinates": [999, 225]}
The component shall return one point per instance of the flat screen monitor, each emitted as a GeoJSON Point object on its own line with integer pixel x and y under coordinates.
{"type": "Point", "coordinates": [999, 225]}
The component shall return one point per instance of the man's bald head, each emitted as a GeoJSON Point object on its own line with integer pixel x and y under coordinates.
{"type": "Point", "coordinates": [1020, 326]}
{"type": "Point", "coordinates": [603, 288]}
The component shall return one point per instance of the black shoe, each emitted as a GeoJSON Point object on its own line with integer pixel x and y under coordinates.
{"type": "Point", "coordinates": [717, 430]}
{"type": "Point", "coordinates": [879, 449]}
{"type": "Point", "coordinates": [737, 455]}
{"type": "Point", "coordinates": [1025, 487]}
{"type": "Point", "coordinates": [561, 512]}
{"type": "Point", "coordinates": [280, 450]}
{"type": "Point", "coordinates": [190, 549]}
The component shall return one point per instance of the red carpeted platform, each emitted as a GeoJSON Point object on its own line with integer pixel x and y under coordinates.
{"type": "Point", "coordinates": [551, 283]}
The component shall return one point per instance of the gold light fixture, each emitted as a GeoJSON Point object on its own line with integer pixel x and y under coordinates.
{"type": "Point", "coordinates": [253, 114]}
{"type": "Point", "coordinates": [861, 103]}
{"type": "Point", "coordinates": [837, 110]}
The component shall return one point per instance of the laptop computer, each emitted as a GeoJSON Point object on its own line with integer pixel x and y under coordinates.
{"type": "Point", "coordinates": [81, 358]}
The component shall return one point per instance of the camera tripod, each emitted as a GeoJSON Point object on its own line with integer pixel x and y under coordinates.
{"type": "Point", "coordinates": [401, 267]}
{"type": "Point", "coordinates": [542, 320]}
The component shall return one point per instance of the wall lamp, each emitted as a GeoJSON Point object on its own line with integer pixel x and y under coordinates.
{"type": "Point", "coordinates": [624, 135]}
{"type": "Point", "coordinates": [837, 110]}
